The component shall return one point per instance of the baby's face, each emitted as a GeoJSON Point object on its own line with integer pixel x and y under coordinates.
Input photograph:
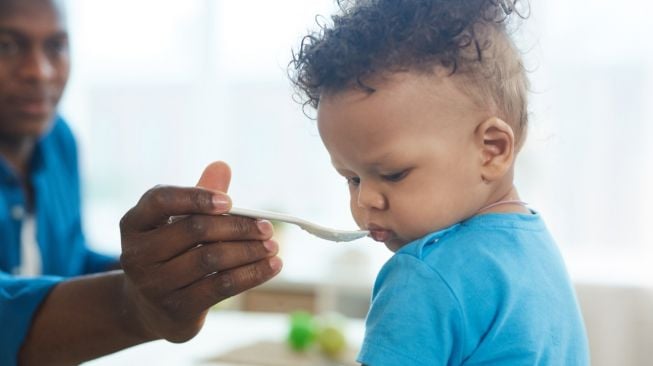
{"type": "Point", "coordinates": [408, 153]}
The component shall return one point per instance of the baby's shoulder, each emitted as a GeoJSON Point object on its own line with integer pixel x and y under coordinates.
{"type": "Point", "coordinates": [502, 247]}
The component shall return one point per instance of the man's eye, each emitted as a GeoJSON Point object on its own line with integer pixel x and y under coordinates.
{"type": "Point", "coordinates": [395, 177]}
{"type": "Point", "coordinates": [57, 46]}
{"type": "Point", "coordinates": [353, 181]}
{"type": "Point", "coordinates": [8, 47]}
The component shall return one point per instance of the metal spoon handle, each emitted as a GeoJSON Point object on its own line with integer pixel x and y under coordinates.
{"type": "Point", "coordinates": [268, 215]}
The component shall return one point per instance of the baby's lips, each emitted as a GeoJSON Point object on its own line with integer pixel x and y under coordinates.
{"type": "Point", "coordinates": [381, 235]}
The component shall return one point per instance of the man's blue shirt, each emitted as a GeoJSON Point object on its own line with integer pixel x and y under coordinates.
{"type": "Point", "coordinates": [492, 290]}
{"type": "Point", "coordinates": [54, 176]}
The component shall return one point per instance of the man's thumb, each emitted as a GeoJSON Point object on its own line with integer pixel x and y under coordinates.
{"type": "Point", "coordinates": [216, 177]}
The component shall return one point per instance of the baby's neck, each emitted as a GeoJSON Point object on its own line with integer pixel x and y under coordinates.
{"type": "Point", "coordinates": [505, 202]}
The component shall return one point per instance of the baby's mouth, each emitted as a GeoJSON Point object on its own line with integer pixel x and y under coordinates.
{"type": "Point", "coordinates": [380, 234]}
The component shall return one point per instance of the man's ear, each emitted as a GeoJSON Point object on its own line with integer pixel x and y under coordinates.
{"type": "Point", "coordinates": [496, 141]}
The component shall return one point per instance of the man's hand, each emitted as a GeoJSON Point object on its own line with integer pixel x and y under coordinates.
{"type": "Point", "coordinates": [173, 273]}
{"type": "Point", "coordinates": [177, 269]}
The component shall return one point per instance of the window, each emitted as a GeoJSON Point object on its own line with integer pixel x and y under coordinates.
{"type": "Point", "coordinates": [177, 84]}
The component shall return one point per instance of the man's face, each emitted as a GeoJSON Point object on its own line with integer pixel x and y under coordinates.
{"type": "Point", "coordinates": [408, 153]}
{"type": "Point", "coordinates": [34, 65]}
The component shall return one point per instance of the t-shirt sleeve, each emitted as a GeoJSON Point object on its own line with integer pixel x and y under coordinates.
{"type": "Point", "coordinates": [20, 297]}
{"type": "Point", "coordinates": [414, 318]}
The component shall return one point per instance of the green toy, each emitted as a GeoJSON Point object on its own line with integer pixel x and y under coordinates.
{"type": "Point", "coordinates": [303, 330]}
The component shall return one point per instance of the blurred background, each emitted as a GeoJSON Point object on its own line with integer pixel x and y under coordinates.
{"type": "Point", "coordinates": [160, 88]}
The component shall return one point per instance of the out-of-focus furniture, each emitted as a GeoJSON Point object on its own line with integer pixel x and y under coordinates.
{"type": "Point", "coordinates": [284, 296]}
{"type": "Point", "coordinates": [619, 322]}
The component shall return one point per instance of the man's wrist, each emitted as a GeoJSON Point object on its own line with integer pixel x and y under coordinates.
{"type": "Point", "coordinates": [131, 314]}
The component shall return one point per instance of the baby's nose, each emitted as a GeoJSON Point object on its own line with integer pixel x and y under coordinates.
{"type": "Point", "coordinates": [370, 198]}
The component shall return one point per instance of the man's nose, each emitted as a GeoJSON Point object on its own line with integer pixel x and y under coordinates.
{"type": "Point", "coordinates": [36, 66]}
{"type": "Point", "coordinates": [370, 197]}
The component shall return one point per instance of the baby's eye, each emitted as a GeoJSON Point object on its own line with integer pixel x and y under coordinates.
{"type": "Point", "coordinates": [353, 181]}
{"type": "Point", "coordinates": [395, 177]}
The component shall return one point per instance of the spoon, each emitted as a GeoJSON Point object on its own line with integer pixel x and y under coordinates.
{"type": "Point", "coordinates": [317, 230]}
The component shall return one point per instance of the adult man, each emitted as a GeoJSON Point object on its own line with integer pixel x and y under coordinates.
{"type": "Point", "coordinates": [61, 314]}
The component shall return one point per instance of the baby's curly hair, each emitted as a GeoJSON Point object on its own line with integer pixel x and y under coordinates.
{"type": "Point", "coordinates": [468, 38]}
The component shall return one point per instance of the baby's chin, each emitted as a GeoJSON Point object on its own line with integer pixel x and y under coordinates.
{"type": "Point", "coordinates": [399, 241]}
{"type": "Point", "coordinates": [396, 243]}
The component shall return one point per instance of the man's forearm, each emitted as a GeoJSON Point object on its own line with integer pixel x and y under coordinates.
{"type": "Point", "coordinates": [82, 319]}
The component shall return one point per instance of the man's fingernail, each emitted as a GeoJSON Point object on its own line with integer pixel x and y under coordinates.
{"type": "Point", "coordinates": [275, 263]}
{"type": "Point", "coordinates": [265, 227]}
{"type": "Point", "coordinates": [221, 203]}
{"type": "Point", "coordinates": [271, 246]}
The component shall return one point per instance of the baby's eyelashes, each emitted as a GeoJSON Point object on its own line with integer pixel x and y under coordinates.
{"type": "Point", "coordinates": [395, 177]}
{"type": "Point", "coordinates": [353, 181]}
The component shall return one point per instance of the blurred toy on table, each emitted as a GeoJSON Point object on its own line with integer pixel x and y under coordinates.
{"type": "Point", "coordinates": [325, 331]}
{"type": "Point", "coordinates": [310, 340]}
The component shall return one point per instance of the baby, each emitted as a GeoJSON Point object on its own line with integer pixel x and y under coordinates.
{"type": "Point", "coordinates": [422, 107]}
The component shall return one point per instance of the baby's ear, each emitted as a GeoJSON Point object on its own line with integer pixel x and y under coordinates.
{"type": "Point", "coordinates": [496, 142]}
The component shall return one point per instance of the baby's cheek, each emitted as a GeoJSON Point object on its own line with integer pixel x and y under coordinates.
{"type": "Point", "coordinates": [356, 214]}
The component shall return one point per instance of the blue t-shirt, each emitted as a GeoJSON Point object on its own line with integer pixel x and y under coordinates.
{"type": "Point", "coordinates": [54, 177]}
{"type": "Point", "coordinates": [491, 290]}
